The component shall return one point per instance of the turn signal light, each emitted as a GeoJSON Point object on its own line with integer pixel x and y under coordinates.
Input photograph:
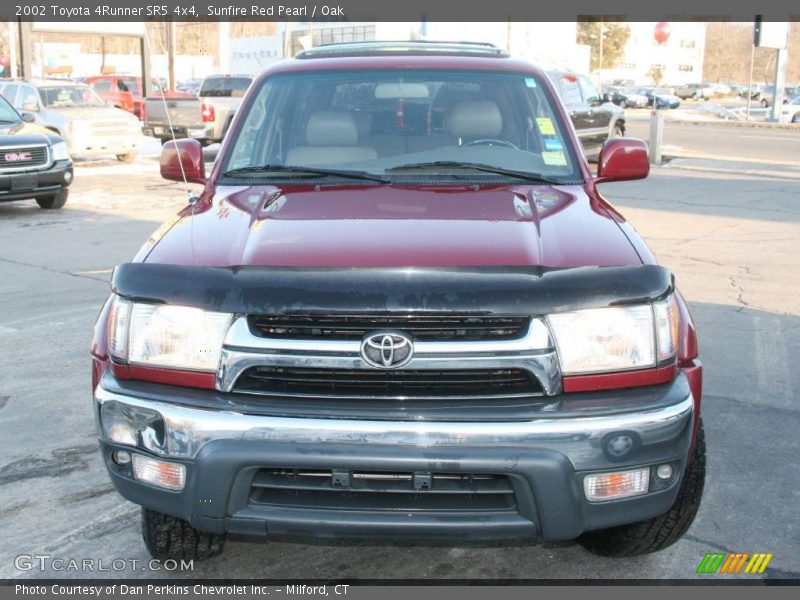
{"type": "Point", "coordinates": [169, 475]}
{"type": "Point", "coordinates": [612, 486]}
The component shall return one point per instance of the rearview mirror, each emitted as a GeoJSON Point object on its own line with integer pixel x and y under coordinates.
{"type": "Point", "coordinates": [183, 157]}
{"type": "Point", "coordinates": [623, 159]}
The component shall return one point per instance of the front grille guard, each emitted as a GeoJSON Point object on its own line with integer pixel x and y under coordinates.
{"type": "Point", "coordinates": [480, 291]}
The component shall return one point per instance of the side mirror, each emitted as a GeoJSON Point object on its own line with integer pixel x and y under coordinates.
{"type": "Point", "coordinates": [30, 107]}
{"type": "Point", "coordinates": [183, 157]}
{"type": "Point", "coordinates": [28, 117]}
{"type": "Point", "coordinates": [623, 159]}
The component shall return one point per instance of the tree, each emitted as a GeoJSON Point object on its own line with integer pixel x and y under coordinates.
{"type": "Point", "coordinates": [606, 39]}
{"type": "Point", "coordinates": [656, 73]}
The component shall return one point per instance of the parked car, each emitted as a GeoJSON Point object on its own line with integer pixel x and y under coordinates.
{"type": "Point", "coordinates": [121, 91]}
{"type": "Point", "coordinates": [191, 86]}
{"type": "Point", "coordinates": [34, 162]}
{"type": "Point", "coordinates": [74, 111]}
{"type": "Point", "coordinates": [791, 111]}
{"type": "Point", "coordinates": [402, 309]}
{"type": "Point", "coordinates": [626, 98]}
{"type": "Point", "coordinates": [595, 121]}
{"type": "Point", "coordinates": [695, 91]}
{"type": "Point", "coordinates": [201, 117]}
{"type": "Point", "coordinates": [662, 96]}
{"type": "Point", "coordinates": [767, 96]}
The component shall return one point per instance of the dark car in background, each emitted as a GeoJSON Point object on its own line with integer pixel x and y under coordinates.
{"type": "Point", "coordinates": [626, 97]}
{"type": "Point", "coordinates": [34, 162]}
{"type": "Point", "coordinates": [595, 120]}
{"type": "Point", "coordinates": [662, 97]}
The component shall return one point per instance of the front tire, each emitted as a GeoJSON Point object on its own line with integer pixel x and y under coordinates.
{"type": "Point", "coordinates": [53, 202]}
{"type": "Point", "coordinates": [796, 118]}
{"type": "Point", "coordinates": [664, 530]}
{"type": "Point", "coordinates": [167, 537]}
{"type": "Point", "coordinates": [764, 103]}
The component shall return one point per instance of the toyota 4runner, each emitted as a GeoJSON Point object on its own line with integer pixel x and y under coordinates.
{"type": "Point", "coordinates": [400, 307]}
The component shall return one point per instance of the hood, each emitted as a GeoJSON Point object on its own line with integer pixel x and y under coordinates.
{"type": "Point", "coordinates": [22, 133]}
{"type": "Point", "coordinates": [394, 226]}
{"type": "Point", "coordinates": [91, 113]}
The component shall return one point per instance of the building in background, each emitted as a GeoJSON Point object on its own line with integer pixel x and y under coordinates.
{"type": "Point", "coordinates": [678, 61]}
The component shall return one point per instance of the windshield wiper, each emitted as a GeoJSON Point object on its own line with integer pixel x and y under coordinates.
{"type": "Point", "coordinates": [451, 164]}
{"type": "Point", "coordinates": [307, 172]}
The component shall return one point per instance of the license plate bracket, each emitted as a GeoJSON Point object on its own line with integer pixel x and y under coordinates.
{"type": "Point", "coordinates": [21, 183]}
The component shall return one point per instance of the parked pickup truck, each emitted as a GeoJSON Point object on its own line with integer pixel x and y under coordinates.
{"type": "Point", "coordinates": [400, 307]}
{"type": "Point", "coordinates": [201, 117]}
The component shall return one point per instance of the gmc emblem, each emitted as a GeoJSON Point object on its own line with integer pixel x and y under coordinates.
{"type": "Point", "coordinates": [17, 156]}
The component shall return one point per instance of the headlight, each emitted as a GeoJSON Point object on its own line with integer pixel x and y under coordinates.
{"type": "Point", "coordinates": [161, 335]}
{"type": "Point", "coordinates": [616, 338]}
{"type": "Point", "coordinates": [60, 151]}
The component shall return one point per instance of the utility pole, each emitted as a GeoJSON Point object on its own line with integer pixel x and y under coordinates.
{"type": "Point", "coordinates": [12, 51]}
{"type": "Point", "coordinates": [224, 47]}
{"type": "Point", "coordinates": [600, 68]}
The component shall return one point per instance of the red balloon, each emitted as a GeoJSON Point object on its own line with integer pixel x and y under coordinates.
{"type": "Point", "coordinates": [662, 32]}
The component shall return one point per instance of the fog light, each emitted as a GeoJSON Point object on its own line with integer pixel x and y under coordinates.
{"type": "Point", "coordinates": [159, 472]}
{"type": "Point", "coordinates": [67, 176]}
{"type": "Point", "coordinates": [121, 457]}
{"type": "Point", "coordinates": [664, 472]}
{"type": "Point", "coordinates": [621, 484]}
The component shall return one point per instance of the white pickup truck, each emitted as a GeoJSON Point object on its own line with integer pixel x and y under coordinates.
{"type": "Point", "coordinates": [202, 117]}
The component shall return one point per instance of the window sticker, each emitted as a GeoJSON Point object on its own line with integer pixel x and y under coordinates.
{"type": "Point", "coordinates": [555, 159]}
{"type": "Point", "coordinates": [545, 126]}
{"type": "Point", "coordinates": [530, 82]}
{"type": "Point", "coordinates": [552, 144]}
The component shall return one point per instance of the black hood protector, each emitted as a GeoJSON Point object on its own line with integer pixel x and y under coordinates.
{"type": "Point", "coordinates": [455, 290]}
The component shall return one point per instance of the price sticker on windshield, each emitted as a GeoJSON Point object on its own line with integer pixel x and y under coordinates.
{"type": "Point", "coordinates": [555, 159]}
{"type": "Point", "coordinates": [545, 126]}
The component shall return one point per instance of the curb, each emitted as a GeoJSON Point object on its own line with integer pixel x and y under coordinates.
{"type": "Point", "coordinates": [737, 124]}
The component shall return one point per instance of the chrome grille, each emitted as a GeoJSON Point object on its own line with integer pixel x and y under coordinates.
{"type": "Point", "coordinates": [23, 157]}
{"type": "Point", "coordinates": [109, 128]}
{"type": "Point", "coordinates": [421, 327]}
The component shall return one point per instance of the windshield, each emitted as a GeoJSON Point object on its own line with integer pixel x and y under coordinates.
{"type": "Point", "coordinates": [68, 96]}
{"type": "Point", "coordinates": [426, 124]}
{"type": "Point", "coordinates": [225, 87]}
{"type": "Point", "coordinates": [7, 113]}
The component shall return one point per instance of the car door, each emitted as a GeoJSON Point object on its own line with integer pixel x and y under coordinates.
{"type": "Point", "coordinates": [598, 117]}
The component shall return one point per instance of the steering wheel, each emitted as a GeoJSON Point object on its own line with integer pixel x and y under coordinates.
{"type": "Point", "coordinates": [491, 142]}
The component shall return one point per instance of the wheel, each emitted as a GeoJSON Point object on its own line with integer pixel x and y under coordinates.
{"type": "Point", "coordinates": [127, 158]}
{"type": "Point", "coordinates": [169, 537]}
{"type": "Point", "coordinates": [619, 130]}
{"type": "Point", "coordinates": [53, 202]}
{"type": "Point", "coordinates": [664, 530]}
{"type": "Point", "coordinates": [764, 103]}
{"type": "Point", "coordinates": [796, 118]}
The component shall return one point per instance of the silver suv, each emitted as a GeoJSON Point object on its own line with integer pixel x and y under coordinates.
{"type": "Point", "coordinates": [75, 112]}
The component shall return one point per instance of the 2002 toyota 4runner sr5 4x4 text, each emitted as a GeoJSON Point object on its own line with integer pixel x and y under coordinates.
{"type": "Point", "coordinates": [400, 307]}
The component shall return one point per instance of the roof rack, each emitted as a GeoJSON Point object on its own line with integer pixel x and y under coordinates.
{"type": "Point", "coordinates": [403, 47]}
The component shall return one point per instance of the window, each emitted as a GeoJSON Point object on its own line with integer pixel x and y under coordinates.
{"type": "Point", "coordinates": [28, 98]}
{"type": "Point", "coordinates": [103, 86]}
{"type": "Point", "coordinates": [10, 93]}
{"type": "Point", "coordinates": [224, 87]}
{"type": "Point", "coordinates": [687, 43]}
{"type": "Point", "coordinates": [685, 68]}
{"type": "Point", "coordinates": [589, 90]}
{"type": "Point", "coordinates": [334, 35]}
{"type": "Point", "coordinates": [401, 124]}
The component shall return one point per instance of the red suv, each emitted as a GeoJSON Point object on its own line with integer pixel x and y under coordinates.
{"type": "Point", "coordinates": [401, 308]}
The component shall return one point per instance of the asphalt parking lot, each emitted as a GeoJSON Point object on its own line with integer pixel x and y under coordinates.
{"type": "Point", "coordinates": [732, 241]}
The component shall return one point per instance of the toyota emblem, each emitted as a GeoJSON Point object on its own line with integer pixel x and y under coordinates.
{"type": "Point", "coordinates": [386, 349]}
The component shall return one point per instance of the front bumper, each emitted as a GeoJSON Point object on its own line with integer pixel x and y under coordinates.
{"type": "Point", "coordinates": [47, 182]}
{"type": "Point", "coordinates": [545, 459]}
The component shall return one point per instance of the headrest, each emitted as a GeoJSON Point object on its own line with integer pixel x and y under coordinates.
{"type": "Point", "coordinates": [476, 118]}
{"type": "Point", "coordinates": [331, 128]}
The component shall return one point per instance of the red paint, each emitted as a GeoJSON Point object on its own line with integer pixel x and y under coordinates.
{"type": "Point", "coordinates": [623, 379]}
{"type": "Point", "coordinates": [181, 158]}
{"type": "Point", "coordinates": [194, 379]}
{"type": "Point", "coordinates": [207, 111]}
{"type": "Point", "coordinates": [623, 159]}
